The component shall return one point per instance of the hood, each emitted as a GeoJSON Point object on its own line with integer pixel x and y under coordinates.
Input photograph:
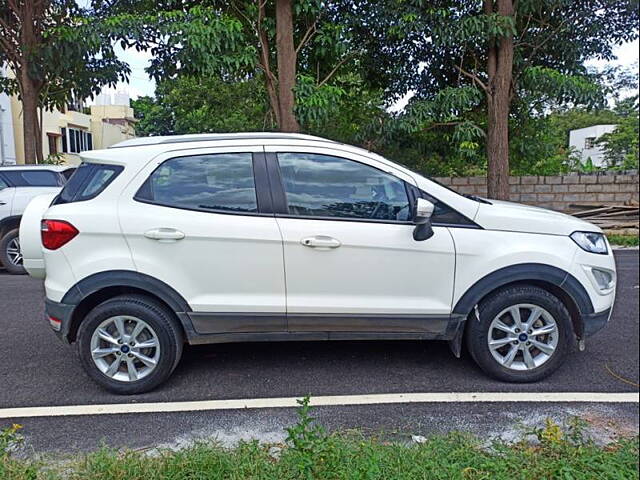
{"type": "Point", "coordinates": [515, 217]}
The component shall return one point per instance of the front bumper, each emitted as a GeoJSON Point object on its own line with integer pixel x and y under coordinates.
{"type": "Point", "coordinates": [63, 313]}
{"type": "Point", "coordinates": [594, 322]}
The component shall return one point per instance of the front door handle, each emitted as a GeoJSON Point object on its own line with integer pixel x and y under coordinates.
{"type": "Point", "coordinates": [2, 202]}
{"type": "Point", "coordinates": [164, 235]}
{"type": "Point", "coordinates": [320, 241]}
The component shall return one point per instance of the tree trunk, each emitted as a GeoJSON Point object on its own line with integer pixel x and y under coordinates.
{"type": "Point", "coordinates": [269, 78]}
{"type": "Point", "coordinates": [30, 88]}
{"type": "Point", "coordinates": [286, 55]}
{"type": "Point", "coordinates": [500, 71]}
{"type": "Point", "coordinates": [498, 146]}
{"type": "Point", "coordinates": [30, 119]}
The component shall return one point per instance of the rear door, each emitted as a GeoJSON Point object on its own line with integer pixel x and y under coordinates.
{"type": "Point", "coordinates": [201, 222]}
{"type": "Point", "coordinates": [350, 258]}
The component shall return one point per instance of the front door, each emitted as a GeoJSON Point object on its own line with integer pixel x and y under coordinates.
{"type": "Point", "coordinates": [194, 220]}
{"type": "Point", "coordinates": [350, 258]}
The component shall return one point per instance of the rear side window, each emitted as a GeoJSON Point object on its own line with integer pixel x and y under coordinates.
{"type": "Point", "coordinates": [87, 182]}
{"type": "Point", "coordinates": [34, 178]}
{"type": "Point", "coordinates": [3, 184]}
{"type": "Point", "coordinates": [214, 182]}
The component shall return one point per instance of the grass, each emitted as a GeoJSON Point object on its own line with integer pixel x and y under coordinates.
{"type": "Point", "coordinates": [311, 453]}
{"type": "Point", "coordinates": [623, 240]}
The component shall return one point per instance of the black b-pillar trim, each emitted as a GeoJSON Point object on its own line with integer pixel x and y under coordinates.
{"type": "Point", "coordinates": [278, 195]}
{"type": "Point", "coordinates": [261, 178]}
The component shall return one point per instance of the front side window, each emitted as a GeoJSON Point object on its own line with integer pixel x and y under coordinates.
{"type": "Point", "coordinates": [327, 186]}
{"type": "Point", "coordinates": [214, 182]}
{"type": "Point", "coordinates": [3, 184]}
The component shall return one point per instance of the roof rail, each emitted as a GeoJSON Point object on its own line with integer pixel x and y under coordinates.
{"type": "Point", "coordinates": [207, 137]}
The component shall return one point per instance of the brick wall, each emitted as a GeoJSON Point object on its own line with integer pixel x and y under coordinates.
{"type": "Point", "coordinates": [558, 192]}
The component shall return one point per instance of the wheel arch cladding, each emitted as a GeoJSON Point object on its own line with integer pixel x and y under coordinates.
{"type": "Point", "coordinates": [9, 223]}
{"type": "Point", "coordinates": [553, 279]}
{"type": "Point", "coordinates": [99, 287]}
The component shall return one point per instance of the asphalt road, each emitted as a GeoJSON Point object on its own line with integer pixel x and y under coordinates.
{"type": "Point", "coordinates": [36, 369]}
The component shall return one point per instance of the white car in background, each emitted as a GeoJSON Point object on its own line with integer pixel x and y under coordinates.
{"type": "Point", "coordinates": [162, 241]}
{"type": "Point", "coordinates": [18, 185]}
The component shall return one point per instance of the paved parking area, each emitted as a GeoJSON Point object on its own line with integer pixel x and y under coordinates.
{"type": "Point", "coordinates": [38, 370]}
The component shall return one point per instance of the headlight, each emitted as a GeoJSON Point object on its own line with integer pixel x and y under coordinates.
{"type": "Point", "coordinates": [590, 242]}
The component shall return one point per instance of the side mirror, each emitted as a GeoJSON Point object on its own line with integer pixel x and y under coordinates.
{"type": "Point", "coordinates": [422, 219]}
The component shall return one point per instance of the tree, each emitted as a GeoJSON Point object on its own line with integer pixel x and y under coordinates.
{"type": "Point", "coordinates": [284, 42]}
{"type": "Point", "coordinates": [621, 148]}
{"type": "Point", "coordinates": [50, 66]}
{"type": "Point", "coordinates": [200, 105]}
{"type": "Point", "coordinates": [511, 59]}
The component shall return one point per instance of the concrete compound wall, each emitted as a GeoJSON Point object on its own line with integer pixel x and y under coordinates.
{"type": "Point", "coordinates": [558, 192]}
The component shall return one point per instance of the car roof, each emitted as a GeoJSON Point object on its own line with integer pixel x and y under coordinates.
{"type": "Point", "coordinates": [51, 168]}
{"type": "Point", "coordinates": [206, 137]}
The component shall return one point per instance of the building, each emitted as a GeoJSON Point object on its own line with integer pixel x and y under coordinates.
{"type": "Point", "coordinates": [67, 133]}
{"type": "Point", "coordinates": [584, 142]}
{"type": "Point", "coordinates": [7, 147]}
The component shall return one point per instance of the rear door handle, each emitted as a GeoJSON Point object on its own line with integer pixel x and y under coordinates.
{"type": "Point", "coordinates": [2, 202]}
{"type": "Point", "coordinates": [164, 234]}
{"type": "Point", "coordinates": [320, 241]}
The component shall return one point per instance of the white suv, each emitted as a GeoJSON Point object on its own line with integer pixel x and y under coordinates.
{"type": "Point", "coordinates": [271, 237]}
{"type": "Point", "coordinates": [18, 185]}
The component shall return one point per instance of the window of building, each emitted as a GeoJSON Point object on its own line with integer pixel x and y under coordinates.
{"type": "Point", "coordinates": [52, 138]}
{"type": "Point", "coordinates": [589, 143]}
{"type": "Point", "coordinates": [75, 140]}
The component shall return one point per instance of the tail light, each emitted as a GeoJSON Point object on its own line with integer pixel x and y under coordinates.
{"type": "Point", "coordinates": [56, 233]}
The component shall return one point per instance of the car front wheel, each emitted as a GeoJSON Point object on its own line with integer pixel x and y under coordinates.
{"type": "Point", "coordinates": [130, 344]}
{"type": "Point", "coordinates": [523, 334]}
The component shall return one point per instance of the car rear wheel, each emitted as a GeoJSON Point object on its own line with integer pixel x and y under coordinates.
{"type": "Point", "coordinates": [10, 253]}
{"type": "Point", "coordinates": [523, 334]}
{"type": "Point", "coordinates": [130, 344]}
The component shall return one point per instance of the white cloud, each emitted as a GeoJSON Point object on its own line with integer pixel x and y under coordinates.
{"type": "Point", "coordinates": [627, 54]}
{"type": "Point", "coordinates": [139, 82]}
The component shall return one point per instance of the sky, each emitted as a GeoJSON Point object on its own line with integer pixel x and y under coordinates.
{"type": "Point", "coordinates": [140, 84]}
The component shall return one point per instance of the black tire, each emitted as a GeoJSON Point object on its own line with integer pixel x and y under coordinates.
{"type": "Point", "coordinates": [477, 332]}
{"type": "Point", "coordinates": [4, 255]}
{"type": "Point", "coordinates": [158, 317]}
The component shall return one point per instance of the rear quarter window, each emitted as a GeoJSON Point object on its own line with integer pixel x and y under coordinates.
{"type": "Point", "coordinates": [87, 182]}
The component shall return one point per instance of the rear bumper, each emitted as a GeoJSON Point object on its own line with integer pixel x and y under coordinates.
{"type": "Point", "coordinates": [63, 313]}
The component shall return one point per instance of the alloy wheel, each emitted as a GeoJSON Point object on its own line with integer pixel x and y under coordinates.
{"type": "Point", "coordinates": [523, 337]}
{"type": "Point", "coordinates": [125, 348]}
{"type": "Point", "coordinates": [13, 252]}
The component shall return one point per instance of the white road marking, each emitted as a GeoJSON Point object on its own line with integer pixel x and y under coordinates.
{"type": "Point", "coordinates": [320, 401]}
